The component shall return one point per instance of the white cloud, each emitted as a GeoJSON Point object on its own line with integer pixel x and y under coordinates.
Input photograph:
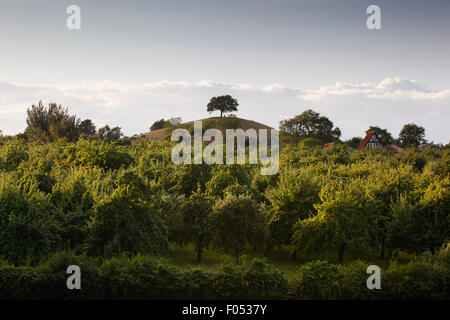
{"type": "Point", "coordinates": [393, 88]}
{"type": "Point", "coordinates": [390, 103]}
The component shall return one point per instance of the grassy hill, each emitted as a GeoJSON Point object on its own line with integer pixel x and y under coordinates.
{"type": "Point", "coordinates": [214, 122]}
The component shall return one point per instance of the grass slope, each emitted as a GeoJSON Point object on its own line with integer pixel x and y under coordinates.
{"type": "Point", "coordinates": [207, 123]}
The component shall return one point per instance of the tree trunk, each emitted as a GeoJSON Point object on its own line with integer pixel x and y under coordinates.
{"type": "Point", "coordinates": [237, 258]}
{"type": "Point", "coordinates": [389, 254]}
{"type": "Point", "coordinates": [221, 113]}
{"type": "Point", "coordinates": [294, 255]}
{"type": "Point", "coordinates": [199, 255]}
{"type": "Point", "coordinates": [383, 246]}
{"type": "Point", "coordinates": [341, 253]}
{"type": "Point", "coordinates": [199, 250]}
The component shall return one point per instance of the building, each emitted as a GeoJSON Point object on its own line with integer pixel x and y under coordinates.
{"type": "Point", "coordinates": [327, 145]}
{"type": "Point", "coordinates": [395, 147]}
{"type": "Point", "coordinates": [371, 141]}
{"type": "Point", "coordinates": [428, 145]}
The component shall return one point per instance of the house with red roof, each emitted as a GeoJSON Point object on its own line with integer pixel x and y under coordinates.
{"type": "Point", "coordinates": [327, 145]}
{"type": "Point", "coordinates": [371, 141]}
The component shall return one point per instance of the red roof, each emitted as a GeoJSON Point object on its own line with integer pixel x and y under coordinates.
{"type": "Point", "coordinates": [327, 145]}
{"type": "Point", "coordinates": [367, 138]}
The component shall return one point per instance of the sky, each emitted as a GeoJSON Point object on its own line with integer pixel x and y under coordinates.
{"type": "Point", "coordinates": [134, 62]}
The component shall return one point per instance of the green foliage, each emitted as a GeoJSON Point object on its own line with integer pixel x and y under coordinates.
{"type": "Point", "coordinates": [186, 179]}
{"type": "Point", "coordinates": [73, 200]}
{"type": "Point", "coordinates": [54, 271]}
{"type": "Point", "coordinates": [159, 124]}
{"type": "Point", "coordinates": [422, 221]}
{"type": "Point", "coordinates": [426, 278]}
{"type": "Point", "coordinates": [291, 200]}
{"type": "Point", "coordinates": [412, 135]}
{"type": "Point", "coordinates": [97, 154]}
{"type": "Point", "coordinates": [109, 134]}
{"type": "Point", "coordinates": [310, 124]}
{"type": "Point", "coordinates": [196, 212]}
{"type": "Point", "coordinates": [236, 222]}
{"type": "Point", "coordinates": [140, 277]}
{"type": "Point", "coordinates": [143, 277]}
{"type": "Point", "coordinates": [345, 221]}
{"type": "Point", "coordinates": [87, 127]}
{"type": "Point", "coordinates": [354, 142]}
{"type": "Point", "coordinates": [12, 153]}
{"type": "Point", "coordinates": [111, 201]}
{"type": "Point", "coordinates": [50, 124]}
{"type": "Point", "coordinates": [24, 227]}
{"type": "Point", "coordinates": [126, 222]}
{"type": "Point", "coordinates": [225, 176]}
{"type": "Point", "coordinates": [223, 104]}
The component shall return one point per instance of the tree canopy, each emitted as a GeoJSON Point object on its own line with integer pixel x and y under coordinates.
{"type": "Point", "coordinates": [310, 124]}
{"type": "Point", "coordinates": [159, 124]}
{"type": "Point", "coordinates": [108, 202]}
{"type": "Point", "coordinates": [223, 104]}
{"type": "Point", "coordinates": [87, 127]}
{"type": "Point", "coordinates": [110, 134]}
{"type": "Point", "coordinates": [412, 135]}
{"type": "Point", "coordinates": [237, 221]}
{"type": "Point", "coordinates": [52, 123]}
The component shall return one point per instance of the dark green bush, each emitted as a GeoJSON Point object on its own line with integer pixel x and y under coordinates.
{"type": "Point", "coordinates": [24, 236]}
{"type": "Point", "coordinates": [426, 278]}
{"type": "Point", "coordinates": [140, 277]}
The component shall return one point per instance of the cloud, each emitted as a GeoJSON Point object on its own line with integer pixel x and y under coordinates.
{"type": "Point", "coordinates": [390, 103]}
{"type": "Point", "coordinates": [389, 88]}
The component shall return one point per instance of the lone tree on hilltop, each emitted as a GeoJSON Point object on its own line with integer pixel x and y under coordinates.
{"type": "Point", "coordinates": [223, 104]}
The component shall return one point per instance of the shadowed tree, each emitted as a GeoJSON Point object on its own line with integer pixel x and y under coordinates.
{"type": "Point", "coordinates": [310, 124]}
{"type": "Point", "coordinates": [354, 142]}
{"type": "Point", "coordinates": [238, 221]}
{"type": "Point", "coordinates": [52, 123]}
{"type": "Point", "coordinates": [158, 125]}
{"type": "Point", "coordinates": [345, 222]}
{"type": "Point", "coordinates": [412, 135]}
{"type": "Point", "coordinates": [292, 199]}
{"type": "Point", "coordinates": [126, 222]}
{"type": "Point", "coordinates": [223, 104]}
{"type": "Point", "coordinates": [196, 210]}
{"type": "Point", "coordinates": [110, 134]}
{"type": "Point", "coordinates": [87, 127]}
